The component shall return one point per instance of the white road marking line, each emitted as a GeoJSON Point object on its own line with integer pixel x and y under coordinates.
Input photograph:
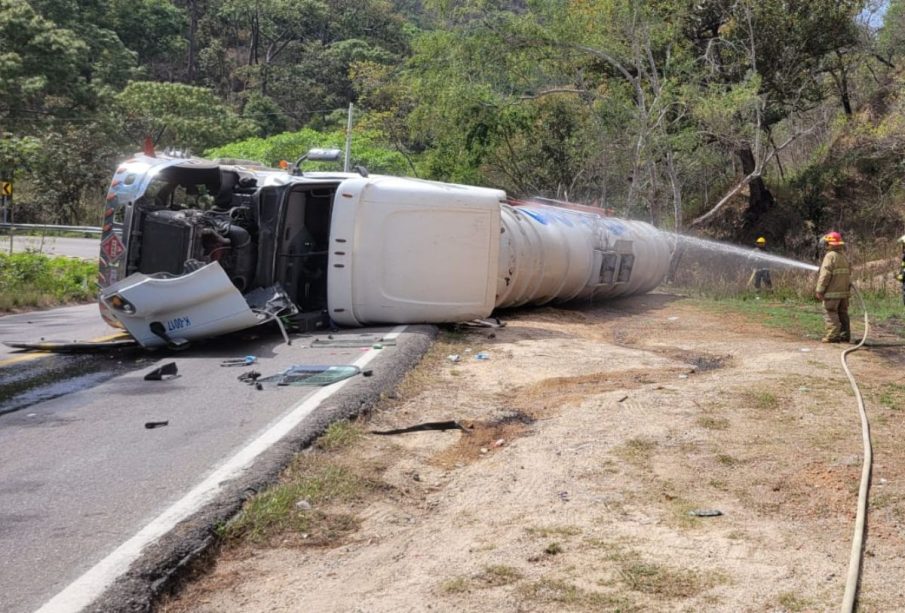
{"type": "Point", "coordinates": [87, 588]}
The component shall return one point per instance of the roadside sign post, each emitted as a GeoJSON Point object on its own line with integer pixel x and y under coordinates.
{"type": "Point", "coordinates": [6, 205]}
{"type": "Point", "coordinates": [6, 199]}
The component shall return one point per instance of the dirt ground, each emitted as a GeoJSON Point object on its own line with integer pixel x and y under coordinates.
{"type": "Point", "coordinates": [592, 435]}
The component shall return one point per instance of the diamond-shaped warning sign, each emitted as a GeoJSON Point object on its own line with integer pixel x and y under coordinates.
{"type": "Point", "coordinates": [112, 248]}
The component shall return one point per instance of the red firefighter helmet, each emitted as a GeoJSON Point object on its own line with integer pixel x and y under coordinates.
{"type": "Point", "coordinates": [833, 239]}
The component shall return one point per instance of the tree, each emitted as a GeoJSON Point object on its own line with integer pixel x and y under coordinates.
{"type": "Point", "coordinates": [178, 115]}
{"type": "Point", "coordinates": [790, 45]}
{"type": "Point", "coordinates": [369, 149]}
{"type": "Point", "coordinates": [42, 64]}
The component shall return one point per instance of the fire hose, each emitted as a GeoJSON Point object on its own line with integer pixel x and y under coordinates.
{"type": "Point", "coordinates": [854, 563]}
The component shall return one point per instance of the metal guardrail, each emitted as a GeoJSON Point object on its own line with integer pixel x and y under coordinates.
{"type": "Point", "coordinates": [50, 228]}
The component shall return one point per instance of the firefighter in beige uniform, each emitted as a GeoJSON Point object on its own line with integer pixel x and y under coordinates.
{"type": "Point", "coordinates": [833, 288]}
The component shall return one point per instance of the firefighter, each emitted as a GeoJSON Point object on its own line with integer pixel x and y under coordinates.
{"type": "Point", "coordinates": [901, 276]}
{"type": "Point", "coordinates": [833, 285]}
{"type": "Point", "coordinates": [760, 275]}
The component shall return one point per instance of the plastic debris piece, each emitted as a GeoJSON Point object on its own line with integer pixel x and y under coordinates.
{"type": "Point", "coordinates": [150, 425]}
{"type": "Point", "coordinates": [499, 442]}
{"type": "Point", "coordinates": [246, 361]}
{"type": "Point", "coordinates": [683, 376]}
{"type": "Point", "coordinates": [430, 425]}
{"type": "Point", "coordinates": [167, 370]}
{"type": "Point", "coordinates": [804, 350]}
{"type": "Point", "coordinates": [673, 318]}
{"type": "Point", "coordinates": [454, 357]}
{"type": "Point", "coordinates": [484, 450]}
{"type": "Point", "coordinates": [377, 346]}
{"type": "Point", "coordinates": [705, 513]}
{"type": "Point", "coordinates": [482, 355]}
{"type": "Point", "coordinates": [303, 505]}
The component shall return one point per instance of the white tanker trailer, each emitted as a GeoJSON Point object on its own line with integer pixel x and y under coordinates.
{"type": "Point", "coordinates": [193, 248]}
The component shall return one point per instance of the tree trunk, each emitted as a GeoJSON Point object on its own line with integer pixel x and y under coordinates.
{"type": "Point", "coordinates": [760, 200]}
{"type": "Point", "coordinates": [842, 85]}
{"type": "Point", "coordinates": [193, 31]}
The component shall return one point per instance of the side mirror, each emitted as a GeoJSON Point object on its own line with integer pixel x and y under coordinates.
{"type": "Point", "coordinates": [323, 155]}
{"type": "Point", "coordinates": [317, 155]}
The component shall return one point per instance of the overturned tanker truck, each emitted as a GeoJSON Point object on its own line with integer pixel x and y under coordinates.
{"type": "Point", "coordinates": [194, 248]}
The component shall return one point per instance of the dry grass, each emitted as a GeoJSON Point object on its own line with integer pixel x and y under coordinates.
{"type": "Point", "coordinates": [637, 451]}
{"type": "Point", "coordinates": [553, 531]}
{"type": "Point", "coordinates": [713, 423]}
{"type": "Point", "coordinates": [555, 594]}
{"type": "Point", "coordinates": [762, 400]}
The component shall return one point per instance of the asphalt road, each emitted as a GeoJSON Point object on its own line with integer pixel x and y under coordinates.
{"type": "Point", "coordinates": [86, 489]}
{"type": "Point", "coordinates": [84, 248]}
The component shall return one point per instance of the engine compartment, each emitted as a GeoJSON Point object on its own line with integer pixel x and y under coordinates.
{"type": "Point", "coordinates": [262, 236]}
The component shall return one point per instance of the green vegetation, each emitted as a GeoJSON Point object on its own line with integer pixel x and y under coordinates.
{"type": "Point", "coordinates": [338, 435]}
{"type": "Point", "coordinates": [370, 150]}
{"type": "Point", "coordinates": [733, 118]}
{"type": "Point", "coordinates": [295, 506]}
{"type": "Point", "coordinates": [37, 280]}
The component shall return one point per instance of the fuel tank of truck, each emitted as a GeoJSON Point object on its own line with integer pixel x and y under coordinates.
{"type": "Point", "coordinates": [406, 251]}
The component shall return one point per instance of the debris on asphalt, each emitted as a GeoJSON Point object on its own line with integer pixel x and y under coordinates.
{"type": "Point", "coordinates": [430, 425]}
{"type": "Point", "coordinates": [246, 361]}
{"type": "Point", "coordinates": [249, 377]}
{"type": "Point", "coordinates": [150, 425]}
{"type": "Point", "coordinates": [351, 342]}
{"type": "Point", "coordinates": [167, 370]}
{"type": "Point", "coordinates": [705, 513]}
{"type": "Point", "coordinates": [311, 374]}
{"type": "Point", "coordinates": [489, 322]}
{"type": "Point", "coordinates": [367, 373]}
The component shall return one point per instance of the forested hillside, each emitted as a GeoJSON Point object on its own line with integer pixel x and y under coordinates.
{"type": "Point", "coordinates": [733, 117]}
